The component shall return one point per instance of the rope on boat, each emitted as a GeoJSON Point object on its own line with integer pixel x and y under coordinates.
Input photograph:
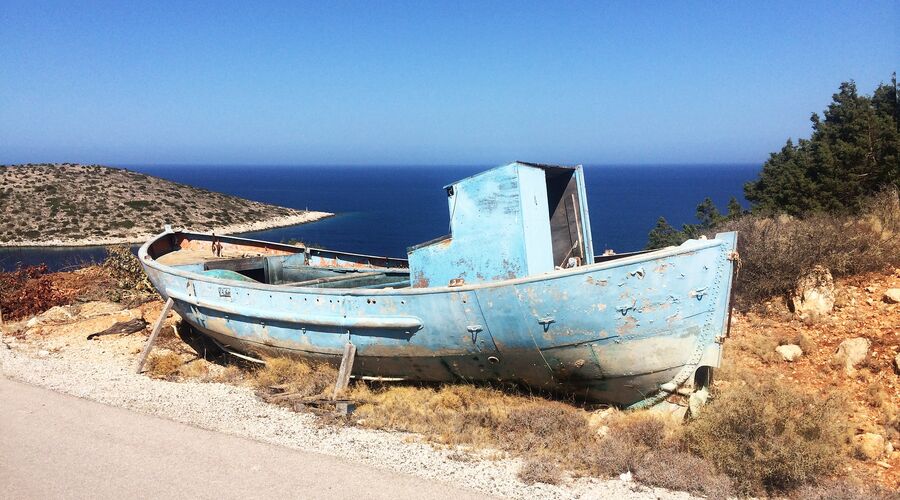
{"type": "Point", "coordinates": [235, 353]}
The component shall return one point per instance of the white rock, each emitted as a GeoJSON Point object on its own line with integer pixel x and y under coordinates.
{"type": "Point", "coordinates": [697, 400]}
{"type": "Point", "coordinates": [869, 445]}
{"type": "Point", "coordinates": [625, 476]}
{"type": "Point", "coordinates": [57, 314]}
{"type": "Point", "coordinates": [33, 322]}
{"type": "Point", "coordinates": [851, 352]}
{"type": "Point", "coordinates": [892, 296]}
{"type": "Point", "coordinates": [789, 352]}
{"type": "Point", "coordinates": [814, 294]}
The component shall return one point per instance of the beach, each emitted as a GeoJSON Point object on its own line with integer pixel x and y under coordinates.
{"type": "Point", "coordinates": [271, 223]}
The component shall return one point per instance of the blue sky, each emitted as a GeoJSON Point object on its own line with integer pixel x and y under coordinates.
{"type": "Point", "coordinates": [427, 83]}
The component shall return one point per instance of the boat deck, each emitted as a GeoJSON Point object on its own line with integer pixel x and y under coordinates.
{"type": "Point", "coordinates": [186, 256]}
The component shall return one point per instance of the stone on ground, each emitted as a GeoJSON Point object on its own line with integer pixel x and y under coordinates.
{"type": "Point", "coordinates": [892, 296]}
{"type": "Point", "coordinates": [814, 296]}
{"type": "Point", "coordinates": [697, 400]}
{"type": "Point", "coordinates": [869, 445]}
{"type": "Point", "coordinates": [57, 314]}
{"type": "Point", "coordinates": [789, 352]}
{"type": "Point", "coordinates": [851, 352]}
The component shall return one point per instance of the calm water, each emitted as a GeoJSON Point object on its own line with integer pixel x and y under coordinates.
{"type": "Point", "coordinates": [383, 210]}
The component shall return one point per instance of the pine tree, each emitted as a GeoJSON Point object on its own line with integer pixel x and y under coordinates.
{"type": "Point", "coordinates": [852, 153]}
{"type": "Point", "coordinates": [663, 235]}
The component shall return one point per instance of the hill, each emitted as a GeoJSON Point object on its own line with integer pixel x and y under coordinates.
{"type": "Point", "coordinates": [69, 205]}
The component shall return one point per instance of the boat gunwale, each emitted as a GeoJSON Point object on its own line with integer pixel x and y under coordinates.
{"type": "Point", "coordinates": [144, 257]}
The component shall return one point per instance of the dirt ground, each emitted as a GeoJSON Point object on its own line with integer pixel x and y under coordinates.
{"type": "Point", "coordinates": [872, 392]}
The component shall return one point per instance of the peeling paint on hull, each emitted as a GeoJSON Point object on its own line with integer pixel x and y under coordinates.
{"type": "Point", "coordinates": [610, 332]}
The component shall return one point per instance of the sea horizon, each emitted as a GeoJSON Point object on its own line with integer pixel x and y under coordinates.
{"type": "Point", "coordinates": [382, 210]}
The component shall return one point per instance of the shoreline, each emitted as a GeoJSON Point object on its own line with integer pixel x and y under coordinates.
{"type": "Point", "coordinates": [248, 227]}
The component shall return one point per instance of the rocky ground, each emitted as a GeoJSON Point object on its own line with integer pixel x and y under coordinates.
{"type": "Point", "coordinates": [846, 340]}
{"type": "Point", "coordinates": [52, 350]}
{"type": "Point", "coordinates": [69, 205]}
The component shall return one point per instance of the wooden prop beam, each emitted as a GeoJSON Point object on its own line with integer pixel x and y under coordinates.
{"type": "Point", "coordinates": [156, 328]}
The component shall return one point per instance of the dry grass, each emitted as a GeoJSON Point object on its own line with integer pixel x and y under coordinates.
{"type": "Point", "coordinates": [540, 471]}
{"type": "Point", "coordinates": [163, 365]}
{"type": "Point", "coordinates": [679, 470]}
{"type": "Point", "coordinates": [760, 344]}
{"type": "Point", "coordinates": [845, 489]}
{"type": "Point", "coordinates": [195, 369]}
{"type": "Point", "coordinates": [230, 374]}
{"type": "Point", "coordinates": [777, 252]}
{"type": "Point", "coordinates": [295, 377]}
{"type": "Point", "coordinates": [770, 437]}
{"type": "Point", "coordinates": [551, 436]}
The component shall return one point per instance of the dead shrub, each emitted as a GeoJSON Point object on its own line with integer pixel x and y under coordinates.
{"type": "Point", "coordinates": [455, 414]}
{"type": "Point", "coordinates": [876, 395]}
{"type": "Point", "coordinates": [642, 428]}
{"type": "Point", "coordinates": [759, 343]}
{"type": "Point", "coordinates": [295, 377]}
{"type": "Point", "coordinates": [231, 374]}
{"type": "Point", "coordinates": [195, 369]}
{"type": "Point", "coordinates": [544, 428]}
{"type": "Point", "coordinates": [612, 456]}
{"type": "Point", "coordinates": [806, 343]}
{"type": "Point", "coordinates": [845, 489]}
{"type": "Point", "coordinates": [28, 291]}
{"type": "Point", "coordinates": [770, 436]}
{"type": "Point", "coordinates": [777, 252]}
{"type": "Point", "coordinates": [163, 366]}
{"type": "Point", "coordinates": [127, 273]}
{"type": "Point", "coordinates": [540, 471]}
{"type": "Point", "coordinates": [679, 470]}
{"type": "Point", "coordinates": [630, 437]}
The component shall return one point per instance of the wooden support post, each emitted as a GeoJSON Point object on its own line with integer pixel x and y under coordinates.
{"type": "Point", "coordinates": [343, 378]}
{"type": "Point", "coordinates": [156, 328]}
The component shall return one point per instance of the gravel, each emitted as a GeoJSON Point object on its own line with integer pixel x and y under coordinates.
{"type": "Point", "coordinates": [103, 371]}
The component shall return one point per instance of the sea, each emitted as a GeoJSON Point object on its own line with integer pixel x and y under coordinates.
{"type": "Point", "coordinates": [382, 210]}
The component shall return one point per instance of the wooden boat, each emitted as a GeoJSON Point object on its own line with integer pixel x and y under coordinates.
{"type": "Point", "coordinates": [513, 294]}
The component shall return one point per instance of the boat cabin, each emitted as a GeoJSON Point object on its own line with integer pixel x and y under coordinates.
{"type": "Point", "coordinates": [516, 220]}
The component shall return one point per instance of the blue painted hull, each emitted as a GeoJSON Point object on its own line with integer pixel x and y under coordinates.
{"type": "Point", "coordinates": [622, 332]}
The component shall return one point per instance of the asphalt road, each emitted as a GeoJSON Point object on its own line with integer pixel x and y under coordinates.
{"type": "Point", "coordinates": [58, 446]}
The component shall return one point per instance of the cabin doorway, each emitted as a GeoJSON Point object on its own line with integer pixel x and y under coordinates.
{"type": "Point", "coordinates": [566, 224]}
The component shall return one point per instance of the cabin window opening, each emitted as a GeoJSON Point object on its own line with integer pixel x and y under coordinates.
{"type": "Point", "coordinates": [563, 202]}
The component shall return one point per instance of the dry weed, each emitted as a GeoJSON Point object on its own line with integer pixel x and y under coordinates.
{"type": "Point", "coordinates": [770, 436]}
{"type": "Point", "coordinates": [630, 437]}
{"type": "Point", "coordinates": [681, 471]}
{"type": "Point", "coordinates": [845, 489]}
{"type": "Point", "coordinates": [195, 369]}
{"type": "Point", "coordinates": [776, 252]}
{"type": "Point", "coordinates": [163, 365]}
{"type": "Point", "coordinates": [231, 374]}
{"type": "Point", "coordinates": [540, 471]}
{"type": "Point", "coordinates": [292, 376]}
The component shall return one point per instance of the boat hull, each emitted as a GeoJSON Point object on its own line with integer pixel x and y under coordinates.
{"type": "Point", "coordinates": [621, 332]}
